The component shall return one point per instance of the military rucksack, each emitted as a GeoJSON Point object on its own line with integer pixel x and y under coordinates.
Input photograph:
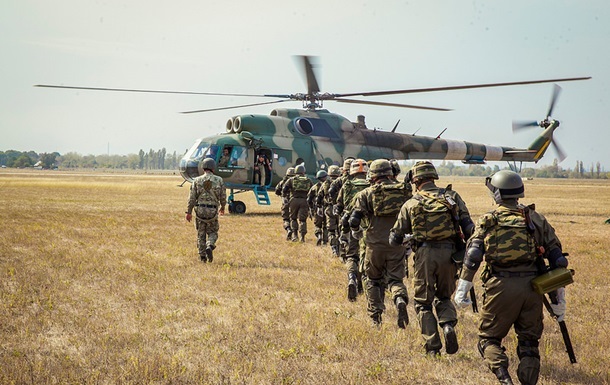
{"type": "Point", "coordinates": [301, 183]}
{"type": "Point", "coordinates": [431, 218]}
{"type": "Point", "coordinates": [389, 198]}
{"type": "Point", "coordinates": [350, 188]}
{"type": "Point", "coordinates": [507, 239]}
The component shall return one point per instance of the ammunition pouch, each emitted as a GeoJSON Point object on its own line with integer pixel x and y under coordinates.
{"type": "Point", "coordinates": [552, 280]}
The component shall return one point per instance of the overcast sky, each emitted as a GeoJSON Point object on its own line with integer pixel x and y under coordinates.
{"type": "Point", "coordinates": [247, 47]}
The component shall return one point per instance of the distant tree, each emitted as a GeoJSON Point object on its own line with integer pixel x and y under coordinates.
{"type": "Point", "coordinates": [141, 162]}
{"type": "Point", "coordinates": [23, 161]}
{"type": "Point", "coordinates": [48, 160]}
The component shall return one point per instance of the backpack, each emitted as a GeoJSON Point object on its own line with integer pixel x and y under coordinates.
{"type": "Point", "coordinates": [301, 183]}
{"type": "Point", "coordinates": [350, 188]}
{"type": "Point", "coordinates": [431, 218]}
{"type": "Point", "coordinates": [507, 239]}
{"type": "Point", "coordinates": [387, 199]}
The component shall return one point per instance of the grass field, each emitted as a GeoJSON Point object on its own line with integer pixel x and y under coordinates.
{"type": "Point", "coordinates": [100, 283]}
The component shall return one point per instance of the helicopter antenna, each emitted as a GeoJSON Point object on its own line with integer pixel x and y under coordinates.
{"type": "Point", "coordinates": [442, 132]}
{"type": "Point", "coordinates": [396, 125]}
{"type": "Point", "coordinates": [416, 131]}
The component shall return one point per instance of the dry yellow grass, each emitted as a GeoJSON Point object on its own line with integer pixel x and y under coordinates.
{"type": "Point", "coordinates": [100, 283]}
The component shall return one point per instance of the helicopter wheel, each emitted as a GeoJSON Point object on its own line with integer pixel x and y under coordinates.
{"type": "Point", "coordinates": [238, 207]}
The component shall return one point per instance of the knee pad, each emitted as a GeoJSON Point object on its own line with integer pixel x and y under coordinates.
{"type": "Point", "coordinates": [528, 349]}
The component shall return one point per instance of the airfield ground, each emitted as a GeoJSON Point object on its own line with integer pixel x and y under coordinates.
{"type": "Point", "coordinates": [100, 283]}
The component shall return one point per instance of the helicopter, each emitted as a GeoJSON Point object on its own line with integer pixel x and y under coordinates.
{"type": "Point", "coordinates": [317, 138]}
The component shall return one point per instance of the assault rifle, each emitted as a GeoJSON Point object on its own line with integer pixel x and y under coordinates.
{"type": "Point", "coordinates": [562, 326]}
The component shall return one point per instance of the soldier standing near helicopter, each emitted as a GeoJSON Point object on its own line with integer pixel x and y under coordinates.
{"type": "Point", "coordinates": [208, 198]}
{"type": "Point", "coordinates": [323, 201]}
{"type": "Point", "coordinates": [297, 188]}
{"type": "Point", "coordinates": [285, 210]}
{"type": "Point", "coordinates": [316, 211]}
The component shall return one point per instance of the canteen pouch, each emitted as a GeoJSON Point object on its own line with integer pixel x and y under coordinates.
{"type": "Point", "coordinates": [552, 280]}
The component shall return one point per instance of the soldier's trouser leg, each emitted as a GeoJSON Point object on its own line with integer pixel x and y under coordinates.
{"type": "Point", "coordinates": [207, 234]}
{"type": "Point", "coordinates": [201, 238]}
{"type": "Point", "coordinates": [303, 210]}
{"type": "Point", "coordinates": [508, 302]}
{"type": "Point", "coordinates": [374, 294]}
{"type": "Point", "coordinates": [294, 214]}
{"type": "Point", "coordinates": [424, 282]}
{"type": "Point", "coordinates": [446, 272]}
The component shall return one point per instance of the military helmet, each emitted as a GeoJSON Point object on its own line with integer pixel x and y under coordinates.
{"type": "Point", "coordinates": [321, 174]}
{"type": "Point", "coordinates": [424, 170]}
{"type": "Point", "coordinates": [380, 167]}
{"type": "Point", "coordinates": [395, 167]}
{"type": "Point", "coordinates": [300, 169]}
{"type": "Point", "coordinates": [290, 171]}
{"type": "Point", "coordinates": [208, 164]}
{"type": "Point", "coordinates": [347, 163]}
{"type": "Point", "coordinates": [334, 170]}
{"type": "Point", "coordinates": [507, 183]}
{"type": "Point", "coordinates": [358, 166]}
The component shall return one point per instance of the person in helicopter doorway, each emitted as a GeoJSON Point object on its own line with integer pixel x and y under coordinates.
{"type": "Point", "coordinates": [225, 157]}
{"type": "Point", "coordinates": [262, 169]}
{"type": "Point", "coordinates": [208, 198]}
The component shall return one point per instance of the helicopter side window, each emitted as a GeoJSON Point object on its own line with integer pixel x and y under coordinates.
{"type": "Point", "coordinates": [212, 152]}
{"type": "Point", "coordinates": [239, 157]}
{"type": "Point", "coordinates": [225, 158]}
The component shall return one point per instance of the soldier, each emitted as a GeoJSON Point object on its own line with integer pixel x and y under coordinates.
{"type": "Point", "coordinates": [512, 238]}
{"type": "Point", "coordinates": [316, 211]}
{"type": "Point", "coordinates": [323, 201]}
{"type": "Point", "coordinates": [285, 200]}
{"type": "Point", "coordinates": [333, 193]}
{"type": "Point", "coordinates": [208, 197]}
{"type": "Point", "coordinates": [383, 263]}
{"type": "Point", "coordinates": [434, 218]}
{"type": "Point", "coordinates": [345, 203]}
{"type": "Point", "coordinates": [297, 188]}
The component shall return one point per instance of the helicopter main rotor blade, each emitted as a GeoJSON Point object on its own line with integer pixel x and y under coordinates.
{"type": "Point", "coordinates": [517, 126]}
{"type": "Point", "coordinates": [389, 104]}
{"type": "Point", "coordinates": [561, 155]}
{"type": "Point", "coordinates": [312, 82]}
{"type": "Point", "coordinates": [451, 88]}
{"type": "Point", "coordinates": [231, 107]}
{"type": "Point", "coordinates": [556, 92]}
{"type": "Point", "coordinates": [153, 91]}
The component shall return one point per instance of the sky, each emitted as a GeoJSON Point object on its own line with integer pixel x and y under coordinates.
{"type": "Point", "coordinates": [244, 46]}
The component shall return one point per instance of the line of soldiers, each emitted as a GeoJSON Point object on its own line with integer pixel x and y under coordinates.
{"type": "Point", "coordinates": [374, 222]}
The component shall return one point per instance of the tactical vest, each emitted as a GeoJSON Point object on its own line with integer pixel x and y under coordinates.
{"type": "Point", "coordinates": [350, 188]}
{"type": "Point", "coordinates": [208, 199]}
{"type": "Point", "coordinates": [431, 218]}
{"type": "Point", "coordinates": [507, 239]}
{"type": "Point", "coordinates": [389, 198]}
{"type": "Point", "coordinates": [300, 184]}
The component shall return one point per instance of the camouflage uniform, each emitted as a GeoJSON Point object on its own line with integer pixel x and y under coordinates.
{"type": "Point", "coordinates": [207, 196]}
{"type": "Point", "coordinates": [316, 211]}
{"type": "Point", "coordinates": [284, 210]}
{"type": "Point", "coordinates": [351, 246]}
{"type": "Point", "coordinates": [297, 188]}
{"type": "Point", "coordinates": [434, 234]}
{"type": "Point", "coordinates": [383, 263]}
{"type": "Point", "coordinates": [510, 252]}
{"type": "Point", "coordinates": [331, 221]}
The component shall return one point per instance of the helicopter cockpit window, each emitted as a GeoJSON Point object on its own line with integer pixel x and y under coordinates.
{"type": "Point", "coordinates": [212, 152]}
{"type": "Point", "coordinates": [225, 157]}
{"type": "Point", "coordinates": [198, 150]}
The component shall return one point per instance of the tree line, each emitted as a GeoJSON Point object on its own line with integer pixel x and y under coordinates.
{"type": "Point", "coordinates": [151, 160]}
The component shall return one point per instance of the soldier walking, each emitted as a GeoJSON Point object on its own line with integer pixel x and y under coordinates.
{"type": "Point", "coordinates": [297, 188]}
{"type": "Point", "coordinates": [511, 239]}
{"type": "Point", "coordinates": [433, 218]}
{"type": "Point", "coordinates": [384, 264]}
{"type": "Point", "coordinates": [316, 211]}
{"type": "Point", "coordinates": [323, 200]}
{"type": "Point", "coordinates": [284, 210]}
{"type": "Point", "coordinates": [208, 198]}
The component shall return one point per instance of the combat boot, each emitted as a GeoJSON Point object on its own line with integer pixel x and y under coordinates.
{"type": "Point", "coordinates": [451, 343]}
{"type": "Point", "coordinates": [352, 287]}
{"type": "Point", "coordinates": [376, 318]}
{"type": "Point", "coordinates": [209, 254]}
{"type": "Point", "coordinates": [335, 250]}
{"type": "Point", "coordinates": [288, 234]}
{"type": "Point", "coordinates": [403, 316]}
{"type": "Point", "coordinates": [319, 241]}
{"type": "Point", "coordinates": [503, 376]}
{"type": "Point", "coordinates": [302, 238]}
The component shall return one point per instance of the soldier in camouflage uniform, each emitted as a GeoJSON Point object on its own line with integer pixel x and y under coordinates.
{"type": "Point", "coordinates": [345, 203]}
{"type": "Point", "coordinates": [383, 263]}
{"type": "Point", "coordinates": [297, 188]}
{"type": "Point", "coordinates": [208, 198]}
{"type": "Point", "coordinates": [323, 200]}
{"type": "Point", "coordinates": [316, 211]}
{"type": "Point", "coordinates": [434, 218]}
{"type": "Point", "coordinates": [333, 193]}
{"type": "Point", "coordinates": [285, 200]}
{"type": "Point", "coordinates": [511, 238]}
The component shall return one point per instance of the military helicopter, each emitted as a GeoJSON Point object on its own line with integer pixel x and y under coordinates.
{"type": "Point", "coordinates": [318, 138]}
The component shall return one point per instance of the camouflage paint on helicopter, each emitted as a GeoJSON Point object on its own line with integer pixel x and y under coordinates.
{"type": "Point", "coordinates": [319, 138]}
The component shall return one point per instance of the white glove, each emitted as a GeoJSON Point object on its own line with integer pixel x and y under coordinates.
{"type": "Point", "coordinates": [357, 234]}
{"type": "Point", "coordinates": [461, 294]}
{"type": "Point", "coordinates": [559, 309]}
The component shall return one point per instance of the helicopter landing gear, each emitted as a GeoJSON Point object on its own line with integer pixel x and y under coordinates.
{"type": "Point", "coordinates": [237, 207]}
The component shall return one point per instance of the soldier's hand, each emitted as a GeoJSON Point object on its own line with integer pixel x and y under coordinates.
{"type": "Point", "coordinates": [461, 294]}
{"type": "Point", "coordinates": [559, 309]}
{"type": "Point", "coordinates": [188, 217]}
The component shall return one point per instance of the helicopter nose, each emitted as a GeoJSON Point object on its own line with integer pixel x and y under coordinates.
{"type": "Point", "coordinates": [188, 169]}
